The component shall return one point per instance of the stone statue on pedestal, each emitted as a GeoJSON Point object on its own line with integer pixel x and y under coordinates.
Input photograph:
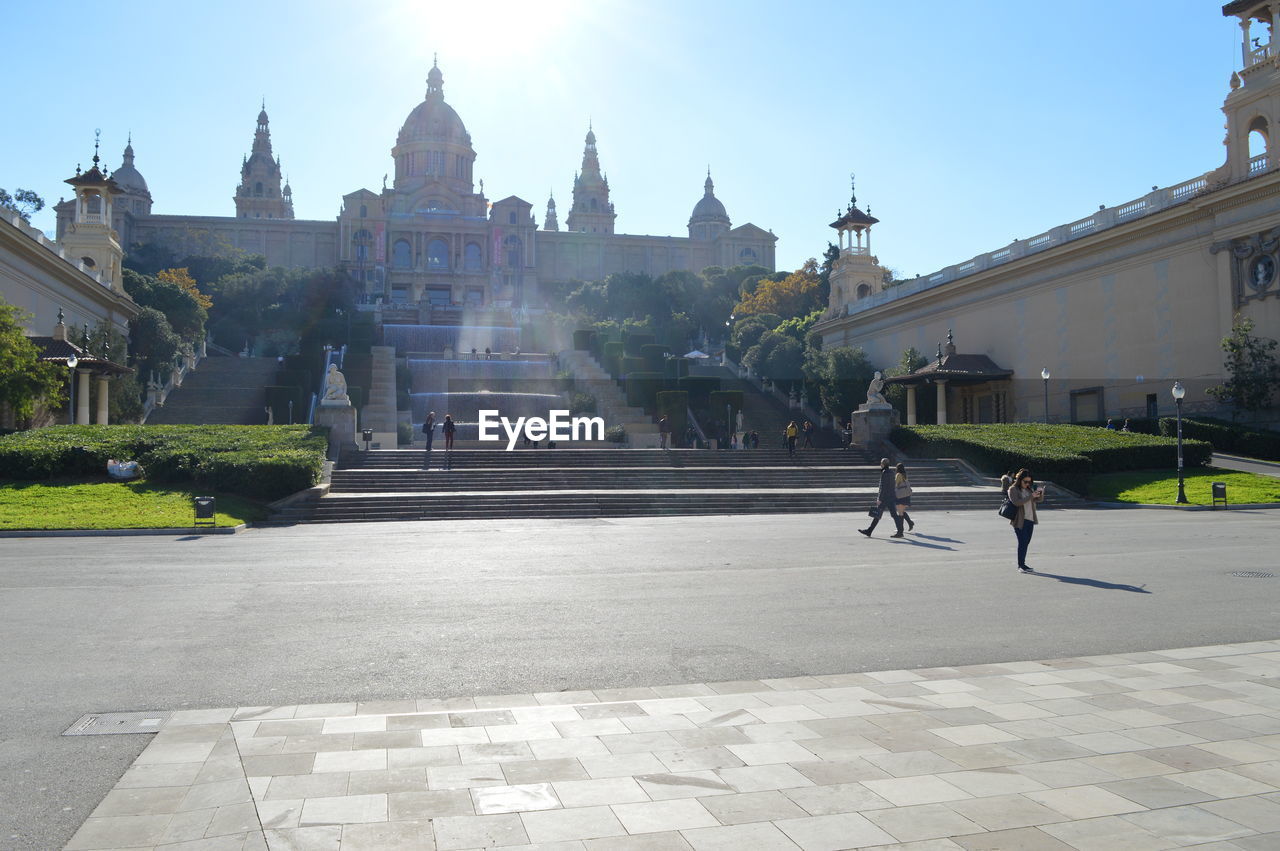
{"type": "Point", "coordinates": [874, 394]}
{"type": "Point", "coordinates": [335, 388]}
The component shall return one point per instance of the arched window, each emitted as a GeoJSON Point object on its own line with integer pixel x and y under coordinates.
{"type": "Point", "coordinates": [511, 218]}
{"type": "Point", "coordinates": [94, 203]}
{"type": "Point", "coordinates": [512, 244]}
{"type": "Point", "coordinates": [594, 207]}
{"type": "Point", "coordinates": [747, 257]}
{"type": "Point", "coordinates": [88, 262]}
{"type": "Point", "coordinates": [257, 188]}
{"type": "Point", "coordinates": [437, 254]}
{"type": "Point", "coordinates": [864, 290]}
{"type": "Point", "coordinates": [364, 210]}
{"type": "Point", "coordinates": [1259, 140]}
{"type": "Point", "coordinates": [471, 255]}
{"type": "Point", "coordinates": [361, 239]}
{"type": "Point", "coordinates": [401, 254]}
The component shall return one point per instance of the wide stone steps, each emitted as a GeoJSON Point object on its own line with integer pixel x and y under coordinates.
{"type": "Point", "coordinates": [221, 391]}
{"type": "Point", "coordinates": [507, 505]}
{"type": "Point", "coordinates": [401, 481]}
{"type": "Point", "coordinates": [606, 458]}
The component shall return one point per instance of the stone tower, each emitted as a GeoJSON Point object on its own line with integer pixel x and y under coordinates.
{"type": "Point", "coordinates": [709, 219]}
{"type": "Point", "coordinates": [591, 211]}
{"type": "Point", "coordinates": [551, 222]}
{"type": "Point", "coordinates": [90, 237]}
{"type": "Point", "coordinates": [856, 273]}
{"type": "Point", "coordinates": [1253, 106]}
{"type": "Point", "coordinates": [259, 194]}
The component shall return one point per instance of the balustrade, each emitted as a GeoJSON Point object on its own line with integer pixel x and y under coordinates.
{"type": "Point", "coordinates": [1258, 164]}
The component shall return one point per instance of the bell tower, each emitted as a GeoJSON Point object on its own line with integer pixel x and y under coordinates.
{"type": "Point", "coordinates": [856, 273]}
{"type": "Point", "coordinates": [90, 237]}
{"type": "Point", "coordinates": [1253, 105]}
{"type": "Point", "coordinates": [259, 196]}
{"type": "Point", "coordinates": [591, 211]}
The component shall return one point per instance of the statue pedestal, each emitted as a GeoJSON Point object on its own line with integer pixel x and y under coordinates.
{"type": "Point", "coordinates": [341, 420]}
{"type": "Point", "coordinates": [872, 424]}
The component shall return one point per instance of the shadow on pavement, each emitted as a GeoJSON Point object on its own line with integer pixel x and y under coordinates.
{"type": "Point", "coordinates": [913, 542]}
{"type": "Point", "coordinates": [937, 538]}
{"type": "Point", "coordinates": [1094, 583]}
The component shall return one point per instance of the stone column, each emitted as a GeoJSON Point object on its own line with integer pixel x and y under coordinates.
{"type": "Point", "coordinates": [82, 398]}
{"type": "Point", "coordinates": [104, 400]}
{"type": "Point", "coordinates": [911, 404]}
{"type": "Point", "coordinates": [1245, 48]}
{"type": "Point", "coordinates": [942, 402]}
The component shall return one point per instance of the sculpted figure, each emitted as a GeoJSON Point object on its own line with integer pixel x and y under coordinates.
{"type": "Point", "coordinates": [874, 394]}
{"type": "Point", "coordinates": [335, 385]}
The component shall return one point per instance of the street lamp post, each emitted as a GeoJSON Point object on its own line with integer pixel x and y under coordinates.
{"type": "Point", "coordinates": [72, 363]}
{"type": "Point", "coordinates": [1178, 392]}
{"type": "Point", "coordinates": [1044, 373]}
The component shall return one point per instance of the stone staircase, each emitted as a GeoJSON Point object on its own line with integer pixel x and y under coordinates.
{"type": "Point", "coordinates": [590, 377]}
{"type": "Point", "coordinates": [221, 390]}
{"type": "Point", "coordinates": [765, 414]}
{"type": "Point", "coordinates": [576, 483]}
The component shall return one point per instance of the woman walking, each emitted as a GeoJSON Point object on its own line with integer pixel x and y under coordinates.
{"type": "Point", "coordinates": [902, 493]}
{"type": "Point", "coordinates": [1025, 495]}
{"type": "Point", "coordinates": [449, 427]}
{"type": "Point", "coordinates": [792, 432]}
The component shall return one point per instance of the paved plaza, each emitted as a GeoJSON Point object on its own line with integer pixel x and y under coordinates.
{"type": "Point", "coordinates": [732, 681]}
{"type": "Point", "coordinates": [1150, 750]}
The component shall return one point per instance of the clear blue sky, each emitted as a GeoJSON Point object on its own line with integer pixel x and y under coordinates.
{"type": "Point", "coordinates": [968, 124]}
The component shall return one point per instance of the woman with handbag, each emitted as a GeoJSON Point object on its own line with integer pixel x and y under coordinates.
{"type": "Point", "coordinates": [1024, 495]}
{"type": "Point", "coordinates": [902, 493]}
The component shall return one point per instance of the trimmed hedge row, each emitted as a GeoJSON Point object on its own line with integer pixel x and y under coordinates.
{"type": "Point", "coordinates": [260, 462]}
{"type": "Point", "coordinates": [1227, 436]}
{"type": "Point", "coordinates": [1066, 454]}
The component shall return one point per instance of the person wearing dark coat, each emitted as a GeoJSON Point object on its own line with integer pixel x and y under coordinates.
{"type": "Point", "coordinates": [886, 499]}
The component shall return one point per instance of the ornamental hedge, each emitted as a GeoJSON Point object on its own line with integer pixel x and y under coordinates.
{"type": "Point", "coordinates": [260, 462]}
{"type": "Point", "coordinates": [1065, 454]}
{"type": "Point", "coordinates": [1227, 436]}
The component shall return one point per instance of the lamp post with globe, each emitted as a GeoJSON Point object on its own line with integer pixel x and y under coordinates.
{"type": "Point", "coordinates": [72, 363]}
{"type": "Point", "coordinates": [1044, 373]}
{"type": "Point", "coordinates": [1178, 392]}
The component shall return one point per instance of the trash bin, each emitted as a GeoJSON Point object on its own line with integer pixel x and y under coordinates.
{"type": "Point", "coordinates": [1219, 493]}
{"type": "Point", "coordinates": [366, 435]}
{"type": "Point", "coordinates": [206, 511]}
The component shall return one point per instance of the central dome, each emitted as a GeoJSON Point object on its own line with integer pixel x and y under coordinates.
{"type": "Point", "coordinates": [433, 119]}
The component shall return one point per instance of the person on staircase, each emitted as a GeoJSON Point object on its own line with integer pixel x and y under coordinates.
{"type": "Point", "coordinates": [664, 432]}
{"type": "Point", "coordinates": [792, 432]}
{"type": "Point", "coordinates": [808, 434]}
{"type": "Point", "coordinates": [885, 501]}
{"type": "Point", "coordinates": [448, 428]}
{"type": "Point", "coordinates": [429, 428]}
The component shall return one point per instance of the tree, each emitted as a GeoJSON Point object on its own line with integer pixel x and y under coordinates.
{"type": "Point", "coordinates": [778, 357]}
{"type": "Point", "coordinates": [179, 307]}
{"type": "Point", "coordinates": [797, 294]}
{"type": "Point", "coordinates": [841, 376]}
{"type": "Point", "coordinates": [24, 377]}
{"type": "Point", "coordinates": [24, 202]}
{"type": "Point", "coordinates": [1253, 373]}
{"type": "Point", "coordinates": [153, 343]}
{"type": "Point", "coordinates": [182, 278]}
{"type": "Point", "coordinates": [896, 394]}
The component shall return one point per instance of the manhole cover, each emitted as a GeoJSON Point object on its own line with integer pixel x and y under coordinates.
{"type": "Point", "coordinates": [1252, 574]}
{"type": "Point", "coordinates": [112, 723]}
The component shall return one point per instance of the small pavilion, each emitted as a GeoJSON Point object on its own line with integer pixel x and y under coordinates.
{"type": "Point", "coordinates": [979, 387]}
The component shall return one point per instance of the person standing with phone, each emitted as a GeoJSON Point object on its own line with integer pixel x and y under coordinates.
{"type": "Point", "coordinates": [1025, 495]}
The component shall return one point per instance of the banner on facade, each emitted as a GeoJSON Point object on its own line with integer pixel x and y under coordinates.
{"type": "Point", "coordinates": [497, 247]}
{"type": "Point", "coordinates": [380, 243]}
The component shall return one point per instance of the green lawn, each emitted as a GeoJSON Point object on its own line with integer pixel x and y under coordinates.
{"type": "Point", "coordinates": [111, 505]}
{"type": "Point", "coordinates": [1160, 487]}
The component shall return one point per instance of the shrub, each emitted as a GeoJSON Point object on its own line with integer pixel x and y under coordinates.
{"type": "Point", "coordinates": [635, 341]}
{"type": "Point", "coordinates": [1066, 454]}
{"type": "Point", "coordinates": [675, 404]}
{"type": "Point", "coordinates": [261, 462]}
{"type": "Point", "coordinates": [1137, 425]}
{"type": "Point", "coordinates": [582, 339]}
{"type": "Point", "coordinates": [278, 399]}
{"type": "Point", "coordinates": [1226, 436]}
{"type": "Point", "coordinates": [615, 434]}
{"type": "Point", "coordinates": [642, 387]}
{"type": "Point", "coordinates": [404, 434]}
{"type": "Point", "coordinates": [699, 388]}
{"type": "Point", "coordinates": [654, 356]}
{"type": "Point", "coordinates": [582, 403]}
{"type": "Point", "coordinates": [612, 359]}
{"type": "Point", "coordinates": [676, 368]}
{"type": "Point", "coordinates": [632, 364]}
{"type": "Point", "coordinates": [719, 399]}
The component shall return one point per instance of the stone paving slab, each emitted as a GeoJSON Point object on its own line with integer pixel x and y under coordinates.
{"type": "Point", "coordinates": [1148, 750]}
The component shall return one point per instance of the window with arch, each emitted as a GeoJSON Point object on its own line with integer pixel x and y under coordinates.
{"type": "Point", "coordinates": [437, 254]}
{"type": "Point", "coordinates": [513, 246]}
{"type": "Point", "coordinates": [1259, 143]}
{"type": "Point", "coordinates": [257, 188]}
{"type": "Point", "coordinates": [401, 254]}
{"type": "Point", "coordinates": [471, 257]}
{"type": "Point", "coordinates": [747, 257]}
{"type": "Point", "coordinates": [594, 206]}
{"type": "Point", "coordinates": [864, 290]}
{"type": "Point", "coordinates": [361, 240]}
{"type": "Point", "coordinates": [364, 210]}
{"type": "Point", "coordinates": [88, 262]}
{"type": "Point", "coordinates": [93, 203]}
{"type": "Point", "coordinates": [511, 218]}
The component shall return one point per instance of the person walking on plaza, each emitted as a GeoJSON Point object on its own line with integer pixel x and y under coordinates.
{"type": "Point", "coordinates": [808, 434]}
{"type": "Point", "coordinates": [902, 493]}
{"type": "Point", "coordinates": [664, 431]}
{"type": "Point", "coordinates": [792, 432]}
{"type": "Point", "coordinates": [429, 428]}
{"type": "Point", "coordinates": [449, 427]}
{"type": "Point", "coordinates": [885, 500]}
{"type": "Point", "coordinates": [1024, 494]}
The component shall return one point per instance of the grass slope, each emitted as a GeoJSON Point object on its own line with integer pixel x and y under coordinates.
{"type": "Point", "coordinates": [111, 505]}
{"type": "Point", "coordinates": [1160, 487]}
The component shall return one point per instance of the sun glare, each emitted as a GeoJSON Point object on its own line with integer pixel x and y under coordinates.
{"type": "Point", "coordinates": [506, 27]}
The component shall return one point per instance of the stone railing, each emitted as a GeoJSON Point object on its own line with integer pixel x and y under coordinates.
{"type": "Point", "coordinates": [54, 248]}
{"type": "Point", "coordinates": [158, 392]}
{"type": "Point", "coordinates": [1105, 218]}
